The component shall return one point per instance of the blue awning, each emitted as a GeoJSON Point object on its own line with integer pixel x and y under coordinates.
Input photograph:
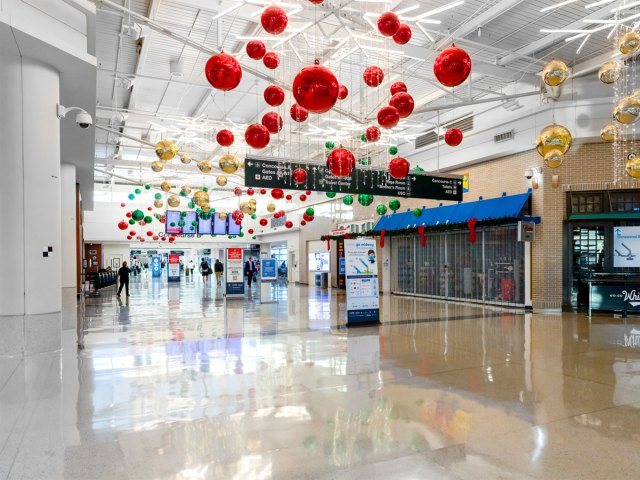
{"type": "Point", "coordinates": [507, 206]}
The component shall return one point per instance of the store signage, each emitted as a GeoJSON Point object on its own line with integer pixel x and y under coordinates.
{"type": "Point", "coordinates": [156, 266]}
{"type": "Point", "coordinates": [339, 232]}
{"type": "Point", "coordinates": [177, 252]}
{"type": "Point", "coordinates": [152, 252]}
{"type": "Point", "coordinates": [626, 247]}
{"type": "Point", "coordinates": [136, 252]}
{"type": "Point", "coordinates": [526, 231]}
{"type": "Point", "coordinates": [615, 297]}
{"type": "Point", "coordinates": [268, 270]}
{"type": "Point", "coordinates": [264, 173]}
{"type": "Point", "coordinates": [234, 275]}
{"type": "Point", "coordinates": [173, 270]}
{"type": "Point", "coordinates": [206, 251]}
{"type": "Point", "coordinates": [361, 269]}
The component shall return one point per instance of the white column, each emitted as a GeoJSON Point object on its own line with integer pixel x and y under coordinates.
{"type": "Point", "coordinates": [68, 227]}
{"type": "Point", "coordinates": [30, 285]}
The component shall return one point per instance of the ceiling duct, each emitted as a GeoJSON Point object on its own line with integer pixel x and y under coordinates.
{"type": "Point", "coordinates": [464, 124]}
{"type": "Point", "coordinates": [504, 136]}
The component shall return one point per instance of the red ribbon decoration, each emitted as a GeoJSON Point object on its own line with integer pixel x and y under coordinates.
{"type": "Point", "coordinates": [382, 234]}
{"type": "Point", "coordinates": [328, 244]}
{"type": "Point", "coordinates": [472, 229]}
{"type": "Point", "coordinates": [423, 240]}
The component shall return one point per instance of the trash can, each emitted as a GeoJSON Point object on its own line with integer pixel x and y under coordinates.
{"type": "Point", "coordinates": [319, 280]}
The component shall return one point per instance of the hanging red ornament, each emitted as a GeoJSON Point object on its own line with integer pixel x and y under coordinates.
{"type": "Point", "coordinates": [388, 24]}
{"type": "Point", "coordinates": [223, 72]}
{"type": "Point", "coordinates": [141, 239]}
{"type": "Point", "coordinates": [172, 239]}
{"type": "Point", "coordinates": [282, 213]}
{"type": "Point", "coordinates": [403, 102]}
{"type": "Point", "coordinates": [315, 88]}
{"type": "Point", "coordinates": [398, 168]}
{"type": "Point", "coordinates": [263, 191]}
{"type": "Point", "coordinates": [256, 49]}
{"type": "Point", "coordinates": [423, 240]}
{"type": "Point", "coordinates": [122, 225]}
{"type": "Point", "coordinates": [123, 204]}
{"type": "Point", "coordinates": [303, 198]}
{"type": "Point", "coordinates": [149, 209]}
{"type": "Point", "coordinates": [225, 138]}
{"type": "Point", "coordinates": [128, 214]}
{"type": "Point", "coordinates": [264, 222]}
{"type": "Point", "coordinates": [129, 237]}
{"type": "Point", "coordinates": [303, 223]}
{"type": "Point", "coordinates": [250, 191]}
{"type": "Point", "coordinates": [271, 60]}
{"type": "Point", "coordinates": [343, 91]}
{"type": "Point", "coordinates": [277, 193]}
{"type": "Point", "coordinates": [274, 95]}
{"type": "Point", "coordinates": [156, 238]}
{"type": "Point", "coordinates": [149, 233]}
{"type": "Point", "coordinates": [373, 76]}
{"type": "Point", "coordinates": [403, 34]}
{"type": "Point", "coordinates": [274, 20]}
{"type": "Point", "coordinates": [306, 216]}
{"type": "Point", "coordinates": [250, 231]}
{"type": "Point", "coordinates": [471, 223]}
{"type": "Point", "coordinates": [453, 137]}
{"type": "Point", "coordinates": [237, 191]}
{"type": "Point", "coordinates": [289, 224]}
{"type": "Point", "coordinates": [288, 197]}
{"type": "Point", "coordinates": [398, 87]}
{"type": "Point", "coordinates": [299, 175]}
{"type": "Point", "coordinates": [308, 192]}
{"type": "Point", "coordinates": [273, 122]}
{"type": "Point", "coordinates": [452, 66]}
{"type": "Point", "coordinates": [257, 136]}
{"type": "Point", "coordinates": [164, 239]}
{"type": "Point", "coordinates": [276, 215]}
{"type": "Point", "coordinates": [372, 134]}
{"type": "Point", "coordinates": [316, 2]}
{"type": "Point", "coordinates": [382, 234]}
{"type": "Point", "coordinates": [132, 233]}
{"type": "Point", "coordinates": [341, 162]}
{"type": "Point", "coordinates": [298, 114]}
{"type": "Point", "coordinates": [388, 117]}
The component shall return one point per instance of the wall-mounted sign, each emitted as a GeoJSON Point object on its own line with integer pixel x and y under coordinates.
{"type": "Point", "coordinates": [152, 252]}
{"type": "Point", "coordinates": [626, 247]}
{"type": "Point", "coordinates": [268, 270]}
{"type": "Point", "coordinates": [176, 252]}
{"type": "Point", "coordinates": [265, 173]}
{"type": "Point", "coordinates": [173, 270]}
{"type": "Point", "coordinates": [156, 266]}
{"type": "Point", "coordinates": [234, 273]}
{"type": "Point", "coordinates": [136, 252]}
{"type": "Point", "coordinates": [361, 269]}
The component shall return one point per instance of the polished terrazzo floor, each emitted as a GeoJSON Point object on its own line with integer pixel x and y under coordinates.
{"type": "Point", "coordinates": [174, 383]}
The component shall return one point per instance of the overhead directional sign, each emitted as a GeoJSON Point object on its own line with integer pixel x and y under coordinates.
{"type": "Point", "coordinates": [265, 173]}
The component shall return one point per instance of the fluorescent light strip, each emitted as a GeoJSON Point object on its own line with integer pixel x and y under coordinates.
{"type": "Point", "coordinates": [597, 4]}
{"type": "Point", "coordinates": [582, 44]}
{"type": "Point", "coordinates": [557, 5]}
{"type": "Point", "coordinates": [225, 12]}
{"type": "Point", "coordinates": [435, 11]}
{"type": "Point", "coordinates": [588, 32]}
{"type": "Point", "coordinates": [624, 7]}
{"type": "Point", "coordinates": [407, 10]}
{"type": "Point", "coordinates": [373, 1]}
{"type": "Point", "coordinates": [613, 29]}
{"type": "Point", "coordinates": [428, 20]}
{"type": "Point", "coordinates": [563, 30]}
{"type": "Point", "coordinates": [425, 32]}
{"type": "Point", "coordinates": [614, 22]}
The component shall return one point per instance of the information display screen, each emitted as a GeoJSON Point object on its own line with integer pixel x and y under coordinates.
{"type": "Point", "coordinates": [319, 262]}
{"type": "Point", "coordinates": [205, 226]}
{"type": "Point", "coordinates": [219, 226]}
{"type": "Point", "coordinates": [172, 217]}
{"type": "Point", "coordinates": [189, 218]}
{"type": "Point", "coordinates": [233, 228]}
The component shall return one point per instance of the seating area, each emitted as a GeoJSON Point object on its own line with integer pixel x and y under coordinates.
{"type": "Point", "coordinates": [103, 279]}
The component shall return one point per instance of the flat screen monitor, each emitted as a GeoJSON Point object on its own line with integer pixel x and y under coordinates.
{"type": "Point", "coordinates": [172, 217]}
{"type": "Point", "coordinates": [205, 225]}
{"type": "Point", "coordinates": [233, 228]}
{"type": "Point", "coordinates": [319, 262]}
{"type": "Point", "coordinates": [219, 225]}
{"type": "Point", "coordinates": [189, 218]}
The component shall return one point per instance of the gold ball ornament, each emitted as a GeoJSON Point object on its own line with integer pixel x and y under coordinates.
{"type": "Point", "coordinates": [244, 207]}
{"type": "Point", "coordinates": [555, 73]}
{"type": "Point", "coordinates": [166, 150]}
{"type": "Point", "coordinates": [629, 43]}
{"type": "Point", "coordinates": [609, 133]}
{"type": "Point", "coordinates": [165, 186]}
{"type": "Point", "coordinates": [173, 201]}
{"type": "Point", "coordinates": [271, 207]}
{"type": "Point", "coordinates": [185, 189]}
{"type": "Point", "coordinates": [221, 180]}
{"type": "Point", "coordinates": [228, 163]}
{"type": "Point", "coordinates": [158, 203]}
{"type": "Point", "coordinates": [627, 110]}
{"type": "Point", "coordinates": [185, 158]}
{"type": "Point", "coordinates": [632, 166]}
{"type": "Point", "coordinates": [201, 198]}
{"type": "Point", "coordinates": [610, 72]}
{"type": "Point", "coordinates": [553, 137]}
{"type": "Point", "coordinates": [222, 216]}
{"type": "Point", "coordinates": [253, 201]}
{"type": "Point", "coordinates": [204, 166]}
{"type": "Point", "coordinates": [206, 208]}
{"type": "Point", "coordinates": [157, 166]}
{"type": "Point", "coordinates": [554, 159]}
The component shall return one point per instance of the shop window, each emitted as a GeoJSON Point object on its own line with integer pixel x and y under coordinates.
{"type": "Point", "coordinates": [588, 256]}
{"type": "Point", "coordinates": [586, 202]}
{"type": "Point", "coordinates": [625, 201]}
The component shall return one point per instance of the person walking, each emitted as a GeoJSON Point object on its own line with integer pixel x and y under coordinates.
{"type": "Point", "coordinates": [218, 268]}
{"type": "Point", "coordinates": [123, 275]}
{"type": "Point", "coordinates": [249, 270]}
{"type": "Point", "coordinates": [205, 270]}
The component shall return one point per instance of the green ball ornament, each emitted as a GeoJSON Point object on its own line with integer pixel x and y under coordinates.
{"type": "Point", "coordinates": [365, 161]}
{"type": "Point", "coordinates": [365, 199]}
{"type": "Point", "coordinates": [417, 212]}
{"type": "Point", "coordinates": [194, 223]}
{"type": "Point", "coordinates": [138, 191]}
{"type": "Point", "coordinates": [183, 214]}
{"type": "Point", "coordinates": [254, 237]}
{"type": "Point", "coordinates": [394, 204]}
{"type": "Point", "coordinates": [363, 138]}
{"type": "Point", "coordinates": [213, 210]}
{"type": "Point", "coordinates": [147, 187]}
{"type": "Point", "coordinates": [158, 196]}
{"type": "Point", "coordinates": [191, 204]}
{"type": "Point", "coordinates": [137, 215]}
{"type": "Point", "coordinates": [199, 211]}
{"type": "Point", "coordinates": [347, 200]}
{"type": "Point", "coordinates": [158, 216]}
{"type": "Point", "coordinates": [132, 221]}
{"type": "Point", "coordinates": [393, 150]}
{"type": "Point", "coordinates": [310, 211]}
{"type": "Point", "coordinates": [417, 168]}
{"type": "Point", "coordinates": [181, 223]}
{"type": "Point", "coordinates": [254, 216]}
{"type": "Point", "coordinates": [182, 194]}
{"type": "Point", "coordinates": [330, 145]}
{"type": "Point", "coordinates": [148, 219]}
{"type": "Point", "coordinates": [331, 194]}
{"type": "Point", "coordinates": [381, 209]}
{"type": "Point", "coordinates": [241, 234]}
{"type": "Point", "coordinates": [172, 224]}
{"type": "Point", "coordinates": [205, 189]}
{"type": "Point", "coordinates": [131, 196]}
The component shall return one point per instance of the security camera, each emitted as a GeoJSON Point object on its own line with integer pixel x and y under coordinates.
{"type": "Point", "coordinates": [528, 174]}
{"type": "Point", "coordinates": [83, 119]}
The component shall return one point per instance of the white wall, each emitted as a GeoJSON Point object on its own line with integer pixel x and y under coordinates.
{"type": "Point", "coordinates": [114, 250]}
{"type": "Point", "coordinates": [68, 225]}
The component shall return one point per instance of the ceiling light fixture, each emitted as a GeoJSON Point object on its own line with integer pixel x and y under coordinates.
{"type": "Point", "coordinates": [582, 44]}
{"type": "Point", "coordinates": [225, 12]}
{"type": "Point", "coordinates": [624, 7]}
{"type": "Point", "coordinates": [435, 11]}
{"type": "Point", "coordinates": [557, 5]}
{"type": "Point", "coordinates": [597, 4]}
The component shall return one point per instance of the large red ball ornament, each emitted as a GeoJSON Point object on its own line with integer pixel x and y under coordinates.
{"type": "Point", "coordinates": [403, 102]}
{"type": "Point", "coordinates": [172, 239]}
{"type": "Point", "coordinates": [256, 49]}
{"type": "Point", "coordinates": [264, 222]}
{"type": "Point", "coordinates": [277, 193]}
{"type": "Point", "coordinates": [132, 233]}
{"type": "Point", "coordinates": [398, 87]}
{"type": "Point", "coordinates": [271, 60]}
{"type": "Point", "coordinates": [316, 2]}
{"type": "Point", "coordinates": [156, 237]}
{"type": "Point", "coordinates": [373, 76]}
{"type": "Point", "coordinates": [128, 214]}
{"type": "Point", "coordinates": [225, 138]}
{"type": "Point", "coordinates": [306, 216]}
{"type": "Point", "coordinates": [298, 114]}
{"type": "Point", "coordinates": [299, 175]}
{"type": "Point", "coordinates": [452, 66]}
{"type": "Point", "coordinates": [388, 117]}
{"type": "Point", "coordinates": [257, 136]}
{"type": "Point", "coordinates": [341, 162]}
{"type": "Point", "coordinates": [403, 35]}
{"type": "Point", "coordinates": [453, 137]}
{"type": "Point", "coordinates": [316, 88]}
{"type": "Point", "coordinates": [149, 233]}
{"type": "Point", "coordinates": [308, 192]}
{"type": "Point", "coordinates": [303, 222]}
{"type": "Point", "coordinates": [303, 198]}
{"type": "Point", "coordinates": [122, 225]}
{"type": "Point", "coordinates": [274, 95]}
{"type": "Point", "coordinates": [250, 191]}
{"type": "Point", "coordinates": [164, 239]}
{"type": "Point", "coordinates": [388, 24]}
{"type": "Point", "coordinates": [223, 72]}
{"type": "Point", "coordinates": [129, 237]}
{"type": "Point", "coordinates": [263, 191]}
{"type": "Point", "coordinates": [237, 192]}
{"type": "Point", "coordinates": [398, 168]}
{"type": "Point", "coordinates": [288, 197]}
{"type": "Point", "coordinates": [250, 231]}
{"type": "Point", "coordinates": [372, 134]}
{"type": "Point", "coordinates": [273, 122]}
{"type": "Point", "coordinates": [289, 224]}
{"type": "Point", "coordinates": [274, 20]}
{"type": "Point", "coordinates": [343, 92]}
{"type": "Point", "coordinates": [276, 215]}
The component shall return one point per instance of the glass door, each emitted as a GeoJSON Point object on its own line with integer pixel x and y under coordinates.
{"type": "Point", "coordinates": [587, 257]}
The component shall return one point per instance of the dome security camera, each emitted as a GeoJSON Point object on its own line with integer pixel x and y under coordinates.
{"type": "Point", "coordinates": [528, 173]}
{"type": "Point", "coordinates": [83, 119]}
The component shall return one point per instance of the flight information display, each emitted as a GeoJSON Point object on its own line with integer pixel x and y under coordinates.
{"type": "Point", "coordinates": [189, 227]}
{"type": "Point", "coordinates": [172, 219]}
{"type": "Point", "coordinates": [205, 226]}
{"type": "Point", "coordinates": [233, 229]}
{"type": "Point", "coordinates": [219, 225]}
{"type": "Point", "coordinates": [214, 225]}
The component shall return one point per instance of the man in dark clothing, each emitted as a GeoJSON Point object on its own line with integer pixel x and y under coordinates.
{"type": "Point", "coordinates": [249, 270]}
{"type": "Point", "coordinates": [218, 268]}
{"type": "Point", "coordinates": [123, 275]}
